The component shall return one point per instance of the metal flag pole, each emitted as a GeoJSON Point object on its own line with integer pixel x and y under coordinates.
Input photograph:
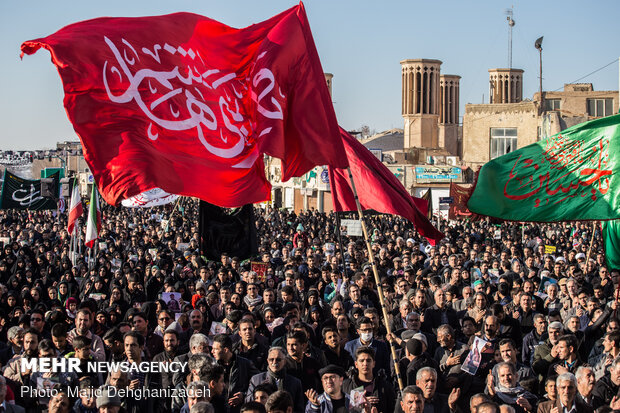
{"type": "Point", "coordinates": [95, 252]}
{"type": "Point", "coordinates": [338, 227]}
{"type": "Point", "coordinates": [89, 259]}
{"type": "Point", "coordinates": [78, 238]}
{"type": "Point", "coordinates": [377, 281]}
{"type": "Point", "coordinates": [72, 247]}
{"type": "Point", "coordinates": [591, 244]}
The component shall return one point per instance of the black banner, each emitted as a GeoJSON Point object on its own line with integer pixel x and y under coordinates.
{"type": "Point", "coordinates": [20, 193]}
{"type": "Point", "coordinates": [427, 196]}
{"type": "Point", "coordinates": [227, 230]}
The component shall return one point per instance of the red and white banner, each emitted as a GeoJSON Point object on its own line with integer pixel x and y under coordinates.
{"type": "Point", "coordinates": [93, 225]}
{"type": "Point", "coordinates": [187, 104]}
{"type": "Point", "coordinates": [151, 198]}
{"type": "Point", "coordinates": [75, 209]}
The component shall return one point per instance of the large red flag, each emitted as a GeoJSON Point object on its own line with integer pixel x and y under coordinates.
{"type": "Point", "coordinates": [189, 105]}
{"type": "Point", "coordinates": [377, 188]}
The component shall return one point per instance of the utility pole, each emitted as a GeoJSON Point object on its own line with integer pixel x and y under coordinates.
{"type": "Point", "coordinates": [511, 23]}
{"type": "Point", "coordinates": [538, 45]}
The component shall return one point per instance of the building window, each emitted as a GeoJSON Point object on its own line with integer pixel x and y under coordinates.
{"type": "Point", "coordinates": [503, 141]}
{"type": "Point", "coordinates": [552, 104]}
{"type": "Point", "coordinates": [600, 107]}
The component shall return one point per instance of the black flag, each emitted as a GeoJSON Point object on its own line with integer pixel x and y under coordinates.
{"type": "Point", "coordinates": [227, 230]}
{"type": "Point", "coordinates": [20, 193]}
{"type": "Point", "coordinates": [427, 196]}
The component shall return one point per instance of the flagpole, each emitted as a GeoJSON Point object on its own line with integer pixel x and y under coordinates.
{"type": "Point", "coordinates": [591, 244]}
{"type": "Point", "coordinates": [78, 238]}
{"type": "Point", "coordinates": [373, 263]}
{"type": "Point", "coordinates": [96, 247]}
{"type": "Point", "coordinates": [72, 247]}
{"type": "Point", "coordinates": [90, 257]}
{"type": "Point", "coordinates": [340, 243]}
{"type": "Point", "coordinates": [615, 313]}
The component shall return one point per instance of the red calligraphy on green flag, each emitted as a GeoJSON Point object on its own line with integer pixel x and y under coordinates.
{"type": "Point", "coordinates": [572, 175]}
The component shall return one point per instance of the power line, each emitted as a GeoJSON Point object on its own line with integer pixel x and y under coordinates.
{"type": "Point", "coordinates": [556, 90]}
{"type": "Point", "coordinates": [591, 73]}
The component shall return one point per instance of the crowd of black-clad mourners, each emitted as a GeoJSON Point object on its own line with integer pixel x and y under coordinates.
{"type": "Point", "coordinates": [496, 317]}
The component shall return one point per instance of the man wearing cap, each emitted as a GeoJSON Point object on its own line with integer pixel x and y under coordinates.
{"type": "Point", "coordinates": [332, 400]}
{"type": "Point", "coordinates": [547, 353]}
{"type": "Point", "coordinates": [108, 401]}
{"type": "Point", "coordinates": [415, 359]}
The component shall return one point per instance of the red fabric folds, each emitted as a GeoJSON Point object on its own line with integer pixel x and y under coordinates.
{"type": "Point", "coordinates": [189, 105]}
{"type": "Point", "coordinates": [377, 188]}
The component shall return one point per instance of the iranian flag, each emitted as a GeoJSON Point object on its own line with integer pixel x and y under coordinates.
{"type": "Point", "coordinates": [93, 227]}
{"type": "Point", "coordinates": [75, 209]}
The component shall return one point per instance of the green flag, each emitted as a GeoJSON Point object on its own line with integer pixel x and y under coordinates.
{"type": "Point", "coordinates": [611, 240]}
{"type": "Point", "coordinates": [569, 176]}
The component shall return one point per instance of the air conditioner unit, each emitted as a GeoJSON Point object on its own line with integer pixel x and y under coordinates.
{"type": "Point", "coordinates": [451, 160]}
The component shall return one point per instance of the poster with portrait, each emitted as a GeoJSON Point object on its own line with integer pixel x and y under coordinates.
{"type": "Point", "coordinates": [173, 300]}
{"type": "Point", "coordinates": [472, 362]}
{"type": "Point", "coordinates": [45, 386]}
{"type": "Point", "coordinates": [545, 281]}
{"type": "Point", "coordinates": [357, 399]}
{"type": "Point", "coordinates": [216, 328]}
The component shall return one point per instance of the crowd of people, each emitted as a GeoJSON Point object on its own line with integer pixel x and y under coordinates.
{"type": "Point", "coordinates": [496, 317]}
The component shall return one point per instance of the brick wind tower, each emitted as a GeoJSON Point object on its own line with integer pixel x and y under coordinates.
{"type": "Point", "coordinates": [421, 102]}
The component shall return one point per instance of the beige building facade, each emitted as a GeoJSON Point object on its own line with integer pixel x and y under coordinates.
{"type": "Point", "coordinates": [510, 123]}
{"type": "Point", "coordinates": [490, 129]}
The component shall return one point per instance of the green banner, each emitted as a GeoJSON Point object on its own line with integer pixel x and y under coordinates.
{"type": "Point", "coordinates": [569, 176]}
{"type": "Point", "coordinates": [20, 193]}
{"type": "Point", "coordinates": [611, 240]}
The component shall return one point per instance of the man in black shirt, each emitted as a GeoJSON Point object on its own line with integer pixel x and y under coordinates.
{"type": "Point", "coordinates": [333, 349]}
